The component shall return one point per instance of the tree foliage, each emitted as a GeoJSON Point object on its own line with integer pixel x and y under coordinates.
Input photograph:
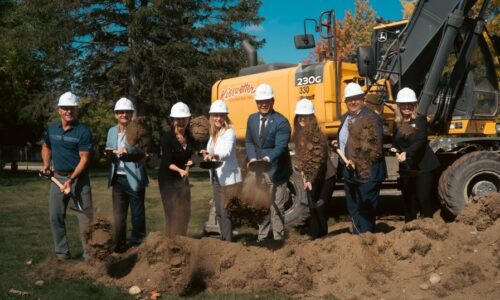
{"type": "Point", "coordinates": [408, 7]}
{"type": "Point", "coordinates": [160, 52]}
{"type": "Point", "coordinates": [155, 52]}
{"type": "Point", "coordinates": [35, 63]}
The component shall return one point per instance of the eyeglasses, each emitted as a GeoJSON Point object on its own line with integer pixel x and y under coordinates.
{"type": "Point", "coordinates": [119, 112]}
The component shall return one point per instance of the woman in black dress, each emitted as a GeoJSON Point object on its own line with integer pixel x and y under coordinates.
{"type": "Point", "coordinates": [417, 162]}
{"type": "Point", "coordinates": [176, 149]}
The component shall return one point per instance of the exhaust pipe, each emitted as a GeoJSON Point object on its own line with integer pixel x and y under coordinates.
{"type": "Point", "coordinates": [251, 53]}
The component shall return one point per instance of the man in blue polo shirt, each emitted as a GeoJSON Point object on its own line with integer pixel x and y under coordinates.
{"type": "Point", "coordinates": [68, 144]}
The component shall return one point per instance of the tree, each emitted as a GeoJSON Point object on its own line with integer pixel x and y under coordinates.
{"type": "Point", "coordinates": [35, 63]}
{"type": "Point", "coordinates": [153, 52]}
{"type": "Point", "coordinates": [408, 8]}
{"type": "Point", "coordinates": [352, 32]}
{"type": "Point", "coordinates": [160, 52]}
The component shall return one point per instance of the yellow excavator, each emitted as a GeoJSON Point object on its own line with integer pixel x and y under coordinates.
{"type": "Point", "coordinates": [443, 52]}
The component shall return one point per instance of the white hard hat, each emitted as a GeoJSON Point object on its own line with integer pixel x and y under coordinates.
{"type": "Point", "coordinates": [352, 89]}
{"type": "Point", "coordinates": [406, 95]}
{"type": "Point", "coordinates": [218, 107]}
{"type": "Point", "coordinates": [264, 92]}
{"type": "Point", "coordinates": [304, 107]}
{"type": "Point", "coordinates": [180, 110]}
{"type": "Point", "coordinates": [68, 99]}
{"type": "Point", "coordinates": [124, 104]}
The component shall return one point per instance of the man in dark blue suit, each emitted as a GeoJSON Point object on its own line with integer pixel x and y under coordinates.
{"type": "Point", "coordinates": [360, 139]}
{"type": "Point", "coordinates": [267, 137]}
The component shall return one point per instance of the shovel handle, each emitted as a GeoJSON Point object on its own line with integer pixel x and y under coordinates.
{"type": "Point", "coordinates": [184, 179]}
{"type": "Point", "coordinates": [60, 185]}
{"type": "Point", "coordinates": [67, 191]}
{"type": "Point", "coordinates": [342, 155]}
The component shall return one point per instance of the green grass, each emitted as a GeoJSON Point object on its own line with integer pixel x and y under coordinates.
{"type": "Point", "coordinates": [25, 234]}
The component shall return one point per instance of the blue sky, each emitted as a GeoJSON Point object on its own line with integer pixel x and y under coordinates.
{"type": "Point", "coordinates": [284, 19]}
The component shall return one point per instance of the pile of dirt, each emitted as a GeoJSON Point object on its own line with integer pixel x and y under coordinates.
{"type": "Point", "coordinates": [200, 128]}
{"type": "Point", "coordinates": [251, 203]}
{"type": "Point", "coordinates": [99, 239]}
{"type": "Point", "coordinates": [484, 212]}
{"type": "Point", "coordinates": [138, 133]}
{"type": "Point", "coordinates": [423, 259]}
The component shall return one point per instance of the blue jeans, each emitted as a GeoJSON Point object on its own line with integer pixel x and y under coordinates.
{"type": "Point", "coordinates": [123, 196]}
{"type": "Point", "coordinates": [362, 203]}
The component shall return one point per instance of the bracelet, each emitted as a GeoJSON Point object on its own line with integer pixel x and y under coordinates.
{"type": "Point", "coordinates": [71, 180]}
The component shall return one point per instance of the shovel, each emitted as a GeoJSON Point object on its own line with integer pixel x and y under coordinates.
{"type": "Point", "coordinates": [185, 178]}
{"type": "Point", "coordinates": [210, 164]}
{"type": "Point", "coordinates": [125, 157]}
{"type": "Point", "coordinates": [67, 191]}
{"type": "Point", "coordinates": [317, 221]}
{"type": "Point", "coordinates": [354, 177]}
{"type": "Point", "coordinates": [259, 167]}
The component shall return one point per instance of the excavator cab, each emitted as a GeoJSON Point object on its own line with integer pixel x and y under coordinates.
{"type": "Point", "coordinates": [442, 54]}
{"type": "Point", "coordinates": [385, 40]}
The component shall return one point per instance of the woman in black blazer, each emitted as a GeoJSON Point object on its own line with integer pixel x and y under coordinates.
{"type": "Point", "coordinates": [417, 161]}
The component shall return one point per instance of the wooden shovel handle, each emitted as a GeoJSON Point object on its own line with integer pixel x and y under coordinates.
{"type": "Point", "coordinates": [60, 185]}
{"type": "Point", "coordinates": [342, 155]}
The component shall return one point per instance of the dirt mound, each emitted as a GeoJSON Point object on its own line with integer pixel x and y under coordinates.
{"type": "Point", "coordinates": [423, 259]}
{"type": "Point", "coordinates": [482, 213]}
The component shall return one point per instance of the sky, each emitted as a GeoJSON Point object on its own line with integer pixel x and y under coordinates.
{"type": "Point", "coordinates": [285, 18]}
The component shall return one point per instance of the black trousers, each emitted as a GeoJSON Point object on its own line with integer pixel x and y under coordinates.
{"type": "Point", "coordinates": [123, 196]}
{"type": "Point", "coordinates": [321, 194]}
{"type": "Point", "coordinates": [418, 190]}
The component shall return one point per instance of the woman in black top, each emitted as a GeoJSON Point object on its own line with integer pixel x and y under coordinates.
{"type": "Point", "coordinates": [417, 161]}
{"type": "Point", "coordinates": [177, 149]}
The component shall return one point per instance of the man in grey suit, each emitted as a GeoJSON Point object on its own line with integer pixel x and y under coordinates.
{"type": "Point", "coordinates": [267, 137]}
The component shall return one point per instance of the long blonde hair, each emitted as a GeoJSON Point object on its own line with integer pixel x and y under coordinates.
{"type": "Point", "coordinates": [214, 133]}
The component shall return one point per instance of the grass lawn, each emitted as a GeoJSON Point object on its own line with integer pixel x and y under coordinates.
{"type": "Point", "coordinates": [25, 234]}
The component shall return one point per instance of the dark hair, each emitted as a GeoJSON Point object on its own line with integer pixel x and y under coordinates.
{"type": "Point", "coordinates": [302, 134]}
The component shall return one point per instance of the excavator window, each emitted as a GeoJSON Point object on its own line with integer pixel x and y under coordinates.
{"type": "Point", "coordinates": [384, 39]}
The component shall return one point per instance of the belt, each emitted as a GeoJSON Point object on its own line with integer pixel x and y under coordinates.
{"type": "Point", "coordinates": [62, 173]}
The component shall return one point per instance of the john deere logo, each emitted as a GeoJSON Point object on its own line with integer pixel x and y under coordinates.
{"type": "Point", "coordinates": [382, 36]}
